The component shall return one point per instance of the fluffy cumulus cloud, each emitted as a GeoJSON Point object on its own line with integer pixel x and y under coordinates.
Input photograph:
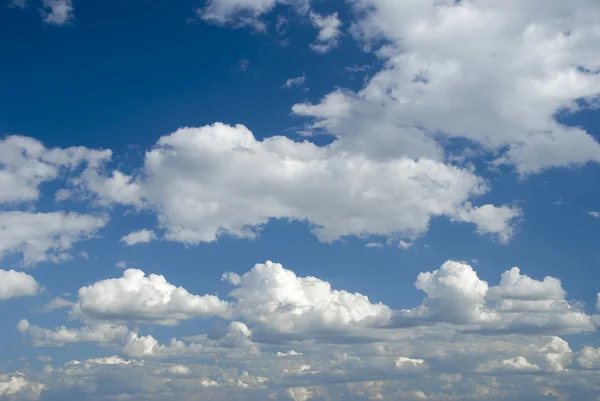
{"type": "Point", "coordinates": [220, 180]}
{"type": "Point", "coordinates": [41, 237]}
{"type": "Point", "coordinates": [455, 294]}
{"type": "Point", "coordinates": [142, 298]}
{"type": "Point", "coordinates": [17, 387]}
{"type": "Point", "coordinates": [17, 284]}
{"type": "Point", "coordinates": [273, 296]}
{"type": "Point", "coordinates": [443, 78]}
{"type": "Point", "coordinates": [297, 336]}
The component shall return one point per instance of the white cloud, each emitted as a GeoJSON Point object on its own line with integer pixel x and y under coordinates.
{"type": "Point", "coordinates": [514, 364]}
{"type": "Point", "coordinates": [292, 82]}
{"type": "Point", "coordinates": [287, 353]}
{"type": "Point", "coordinates": [239, 13]}
{"type": "Point", "coordinates": [357, 68]}
{"type": "Point", "coordinates": [44, 237]}
{"type": "Point", "coordinates": [17, 386]}
{"type": "Point", "coordinates": [489, 219]}
{"type": "Point", "coordinates": [274, 297]}
{"type": "Point", "coordinates": [329, 32]}
{"type": "Point", "coordinates": [557, 354]}
{"type": "Point", "coordinates": [25, 163]}
{"type": "Point", "coordinates": [58, 12]}
{"type": "Point", "coordinates": [56, 303]}
{"type": "Point", "coordinates": [589, 357]}
{"type": "Point", "coordinates": [17, 284]}
{"type": "Point", "coordinates": [139, 237]}
{"type": "Point", "coordinates": [594, 214]}
{"type": "Point", "coordinates": [303, 393]}
{"type": "Point", "coordinates": [443, 79]}
{"type": "Point", "coordinates": [455, 294]}
{"type": "Point", "coordinates": [45, 358]}
{"type": "Point", "coordinates": [147, 346]}
{"type": "Point", "coordinates": [61, 336]}
{"type": "Point", "coordinates": [142, 298]}
{"type": "Point", "coordinates": [121, 264]}
{"type": "Point", "coordinates": [199, 182]}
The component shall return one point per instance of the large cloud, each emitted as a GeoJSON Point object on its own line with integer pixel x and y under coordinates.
{"type": "Point", "coordinates": [494, 72]}
{"type": "Point", "coordinates": [218, 179]}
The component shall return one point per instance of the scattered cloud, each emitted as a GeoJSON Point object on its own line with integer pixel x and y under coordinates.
{"type": "Point", "coordinates": [242, 13]}
{"type": "Point", "coordinates": [19, 3]}
{"type": "Point", "coordinates": [58, 12]}
{"type": "Point", "coordinates": [293, 82]}
{"type": "Point", "coordinates": [56, 303]}
{"type": "Point", "coordinates": [45, 237]}
{"type": "Point", "coordinates": [243, 64]}
{"type": "Point", "coordinates": [329, 32]}
{"type": "Point", "coordinates": [137, 297]}
{"type": "Point", "coordinates": [357, 68]}
{"type": "Point", "coordinates": [142, 236]}
{"type": "Point", "coordinates": [429, 80]}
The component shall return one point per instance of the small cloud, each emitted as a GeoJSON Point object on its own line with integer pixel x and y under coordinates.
{"type": "Point", "coordinates": [288, 353]}
{"type": "Point", "coordinates": [281, 25]}
{"type": "Point", "coordinates": [84, 255]}
{"type": "Point", "coordinates": [329, 32]}
{"type": "Point", "coordinates": [121, 264]}
{"type": "Point", "coordinates": [62, 194]}
{"type": "Point", "coordinates": [405, 244]}
{"type": "Point", "coordinates": [357, 68]}
{"type": "Point", "coordinates": [559, 202]}
{"type": "Point", "coordinates": [293, 82]}
{"type": "Point", "coordinates": [139, 237]}
{"type": "Point", "coordinates": [374, 245]}
{"type": "Point", "coordinates": [594, 214]}
{"type": "Point", "coordinates": [18, 4]}
{"type": "Point", "coordinates": [243, 64]}
{"type": "Point", "coordinates": [57, 12]}
{"type": "Point", "coordinates": [45, 359]}
{"type": "Point", "coordinates": [56, 303]}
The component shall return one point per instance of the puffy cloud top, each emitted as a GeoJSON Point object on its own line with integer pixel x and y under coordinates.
{"type": "Point", "coordinates": [138, 297]}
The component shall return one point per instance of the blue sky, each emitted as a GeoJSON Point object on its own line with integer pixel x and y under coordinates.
{"type": "Point", "coordinates": [317, 199]}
